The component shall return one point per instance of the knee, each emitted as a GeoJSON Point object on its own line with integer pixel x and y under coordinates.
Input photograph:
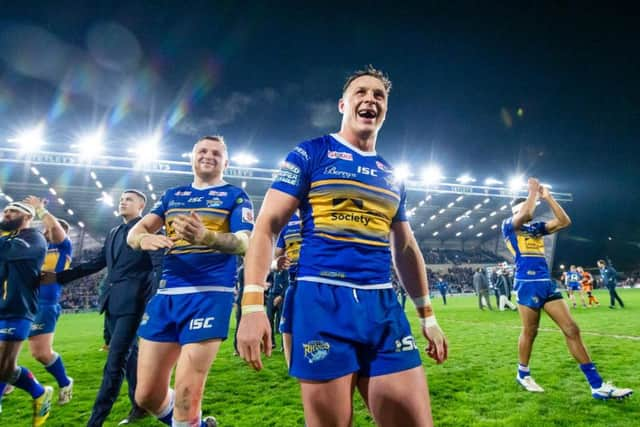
{"type": "Point", "coordinates": [530, 332]}
{"type": "Point", "coordinates": [149, 399]}
{"type": "Point", "coordinates": [571, 331]}
{"type": "Point", "coordinates": [42, 355]}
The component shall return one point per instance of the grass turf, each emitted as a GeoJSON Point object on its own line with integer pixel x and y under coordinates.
{"type": "Point", "coordinates": [475, 387]}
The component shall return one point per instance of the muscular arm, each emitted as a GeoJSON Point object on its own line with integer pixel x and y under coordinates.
{"type": "Point", "coordinates": [142, 235]}
{"type": "Point", "coordinates": [229, 243]}
{"type": "Point", "coordinates": [528, 207]}
{"type": "Point", "coordinates": [49, 221]}
{"type": "Point", "coordinates": [561, 219]}
{"type": "Point", "coordinates": [409, 264]}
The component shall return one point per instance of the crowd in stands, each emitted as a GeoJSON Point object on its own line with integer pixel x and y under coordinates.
{"type": "Point", "coordinates": [82, 294]}
{"type": "Point", "coordinates": [460, 279]}
{"type": "Point", "coordinates": [457, 257]}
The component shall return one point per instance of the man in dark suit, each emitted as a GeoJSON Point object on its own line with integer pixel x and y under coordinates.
{"type": "Point", "coordinates": [128, 287]}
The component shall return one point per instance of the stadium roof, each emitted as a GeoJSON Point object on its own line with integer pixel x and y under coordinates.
{"type": "Point", "coordinates": [87, 194]}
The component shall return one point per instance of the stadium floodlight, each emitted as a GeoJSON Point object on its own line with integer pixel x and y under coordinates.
{"type": "Point", "coordinates": [467, 213]}
{"type": "Point", "coordinates": [494, 226]}
{"type": "Point", "coordinates": [244, 159]}
{"type": "Point", "coordinates": [544, 184]}
{"type": "Point", "coordinates": [52, 191]}
{"type": "Point", "coordinates": [503, 207]}
{"type": "Point", "coordinates": [470, 226]}
{"type": "Point", "coordinates": [459, 198]}
{"type": "Point", "coordinates": [90, 144]}
{"type": "Point", "coordinates": [448, 225]}
{"type": "Point", "coordinates": [479, 234]}
{"type": "Point", "coordinates": [80, 224]}
{"type": "Point", "coordinates": [243, 184]}
{"type": "Point", "coordinates": [402, 172]}
{"type": "Point", "coordinates": [93, 175]}
{"type": "Point", "coordinates": [35, 171]}
{"type": "Point", "coordinates": [9, 198]}
{"type": "Point", "coordinates": [516, 183]}
{"type": "Point", "coordinates": [422, 224]}
{"type": "Point", "coordinates": [29, 140]}
{"type": "Point", "coordinates": [562, 267]}
{"type": "Point", "coordinates": [61, 201]}
{"type": "Point", "coordinates": [478, 206]}
{"type": "Point", "coordinates": [186, 155]}
{"type": "Point", "coordinates": [432, 217]}
{"type": "Point", "coordinates": [435, 233]}
{"type": "Point", "coordinates": [432, 175]}
{"type": "Point", "coordinates": [98, 184]}
{"type": "Point", "coordinates": [421, 203]}
{"type": "Point", "coordinates": [147, 178]}
{"type": "Point", "coordinates": [44, 181]}
{"type": "Point", "coordinates": [115, 213]}
{"type": "Point", "coordinates": [450, 204]}
{"type": "Point", "coordinates": [487, 200]}
{"type": "Point", "coordinates": [441, 211]}
{"type": "Point", "coordinates": [148, 149]}
{"type": "Point", "coordinates": [465, 179]}
{"type": "Point", "coordinates": [70, 211]}
{"type": "Point", "coordinates": [426, 199]}
{"type": "Point", "coordinates": [492, 181]}
{"type": "Point", "coordinates": [106, 199]}
{"type": "Point", "coordinates": [153, 196]}
{"type": "Point", "coordinates": [493, 213]}
{"type": "Point", "coordinates": [150, 186]}
{"type": "Point", "coordinates": [458, 219]}
{"type": "Point", "coordinates": [483, 219]}
{"type": "Point", "coordinates": [458, 233]}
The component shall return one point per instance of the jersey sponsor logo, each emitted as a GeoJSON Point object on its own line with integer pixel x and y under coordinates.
{"type": "Point", "coordinates": [367, 171]}
{"type": "Point", "coordinates": [182, 193]}
{"type": "Point", "coordinates": [289, 174]}
{"type": "Point", "coordinates": [174, 204]}
{"type": "Point", "coordinates": [218, 193]}
{"type": "Point", "coordinates": [407, 343]}
{"type": "Point", "coordinates": [201, 323]}
{"type": "Point", "coordinates": [381, 166]}
{"type": "Point", "coordinates": [340, 155]}
{"type": "Point", "coordinates": [195, 199]}
{"type": "Point", "coordinates": [335, 274]}
{"type": "Point", "coordinates": [359, 218]}
{"type": "Point", "coordinates": [247, 215]}
{"type": "Point", "coordinates": [302, 152]}
{"type": "Point", "coordinates": [214, 203]}
{"type": "Point", "coordinates": [8, 331]}
{"type": "Point", "coordinates": [315, 351]}
{"type": "Point", "coordinates": [332, 170]}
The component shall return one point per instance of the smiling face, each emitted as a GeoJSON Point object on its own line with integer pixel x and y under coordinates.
{"type": "Point", "coordinates": [364, 106]}
{"type": "Point", "coordinates": [209, 159]}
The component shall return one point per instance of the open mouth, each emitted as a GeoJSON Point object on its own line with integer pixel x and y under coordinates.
{"type": "Point", "coordinates": [367, 113]}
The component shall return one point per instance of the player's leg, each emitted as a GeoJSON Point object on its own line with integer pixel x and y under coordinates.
{"type": "Point", "coordinates": [559, 313]}
{"type": "Point", "coordinates": [41, 347]}
{"type": "Point", "coordinates": [399, 396]}
{"type": "Point", "coordinates": [328, 403]}
{"type": "Point", "coordinates": [155, 363]}
{"type": "Point", "coordinates": [192, 369]}
{"type": "Point", "coordinates": [530, 319]}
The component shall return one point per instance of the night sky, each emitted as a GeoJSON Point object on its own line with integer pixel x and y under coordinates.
{"type": "Point", "coordinates": [267, 77]}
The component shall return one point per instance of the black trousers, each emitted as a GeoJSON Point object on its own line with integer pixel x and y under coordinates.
{"type": "Point", "coordinates": [614, 296]}
{"type": "Point", "coordinates": [122, 361]}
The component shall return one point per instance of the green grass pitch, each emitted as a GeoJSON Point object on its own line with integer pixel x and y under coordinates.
{"type": "Point", "coordinates": [475, 387]}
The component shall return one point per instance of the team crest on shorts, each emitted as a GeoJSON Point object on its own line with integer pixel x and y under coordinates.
{"type": "Point", "coordinates": [145, 319]}
{"type": "Point", "coordinates": [315, 351]}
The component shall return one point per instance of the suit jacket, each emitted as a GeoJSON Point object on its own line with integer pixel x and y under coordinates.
{"type": "Point", "coordinates": [128, 284]}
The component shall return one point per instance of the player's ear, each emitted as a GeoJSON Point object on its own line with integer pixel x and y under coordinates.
{"type": "Point", "coordinates": [341, 106]}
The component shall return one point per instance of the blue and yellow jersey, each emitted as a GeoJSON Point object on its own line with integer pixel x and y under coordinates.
{"type": "Point", "coordinates": [348, 202]}
{"type": "Point", "coordinates": [527, 247]}
{"type": "Point", "coordinates": [190, 268]}
{"type": "Point", "coordinates": [290, 240]}
{"type": "Point", "coordinates": [58, 259]}
{"type": "Point", "coordinates": [572, 278]}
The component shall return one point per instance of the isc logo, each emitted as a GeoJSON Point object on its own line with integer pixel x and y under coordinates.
{"type": "Point", "coordinates": [406, 344]}
{"type": "Point", "coordinates": [367, 171]}
{"type": "Point", "coordinates": [201, 323]}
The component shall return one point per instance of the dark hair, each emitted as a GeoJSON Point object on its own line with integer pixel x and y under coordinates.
{"type": "Point", "coordinates": [601, 261]}
{"type": "Point", "coordinates": [138, 193]}
{"type": "Point", "coordinates": [64, 224]}
{"type": "Point", "coordinates": [369, 70]}
{"type": "Point", "coordinates": [217, 138]}
{"type": "Point", "coordinates": [517, 201]}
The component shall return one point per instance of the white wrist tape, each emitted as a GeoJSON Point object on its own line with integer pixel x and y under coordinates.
{"type": "Point", "coordinates": [253, 288]}
{"type": "Point", "coordinates": [427, 322]}
{"type": "Point", "coordinates": [422, 301]}
{"type": "Point", "coordinates": [246, 309]}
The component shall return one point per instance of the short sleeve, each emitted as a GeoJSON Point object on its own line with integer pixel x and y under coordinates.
{"type": "Point", "coordinates": [241, 216]}
{"type": "Point", "coordinates": [294, 175]}
{"type": "Point", "coordinates": [161, 205]}
{"type": "Point", "coordinates": [401, 214]}
{"type": "Point", "coordinates": [280, 243]}
{"type": "Point", "coordinates": [507, 227]}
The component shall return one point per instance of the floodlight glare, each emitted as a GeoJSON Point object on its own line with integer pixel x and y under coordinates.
{"type": "Point", "coordinates": [450, 204]}
{"type": "Point", "coordinates": [90, 145]}
{"type": "Point", "coordinates": [401, 172]}
{"type": "Point", "coordinates": [432, 217]}
{"type": "Point", "coordinates": [61, 201]}
{"type": "Point", "coordinates": [516, 183]}
{"type": "Point", "coordinates": [465, 179]}
{"type": "Point", "coordinates": [494, 226]}
{"type": "Point", "coordinates": [35, 171]}
{"type": "Point", "coordinates": [80, 224]}
{"type": "Point", "coordinates": [458, 233]}
{"type": "Point", "coordinates": [492, 181]}
{"type": "Point", "coordinates": [479, 234]}
{"type": "Point", "coordinates": [244, 159]}
{"type": "Point", "coordinates": [432, 175]}
{"type": "Point", "coordinates": [459, 198]}
{"type": "Point", "coordinates": [29, 140]}
{"type": "Point", "coordinates": [147, 149]}
{"type": "Point", "coordinates": [435, 233]}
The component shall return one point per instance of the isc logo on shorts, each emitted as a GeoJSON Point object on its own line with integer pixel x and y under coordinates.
{"type": "Point", "coordinates": [201, 323]}
{"type": "Point", "coordinates": [8, 331]}
{"type": "Point", "coordinates": [406, 344]}
{"type": "Point", "coordinates": [37, 327]}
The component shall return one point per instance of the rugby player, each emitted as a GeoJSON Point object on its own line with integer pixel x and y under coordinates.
{"type": "Point", "coordinates": [587, 287]}
{"type": "Point", "coordinates": [22, 253]}
{"type": "Point", "coordinates": [535, 291]}
{"type": "Point", "coordinates": [207, 225]}
{"type": "Point", "coordinates": [348, 328]}
{"type": "Point", "coordinates": [572, 280]}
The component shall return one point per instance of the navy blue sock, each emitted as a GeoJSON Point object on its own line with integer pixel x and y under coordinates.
{"type": "Point", "coordinates": [523, 370]}
{"type": "Point", "coordinates": [2, 387]}
{"type": "Point", "coordinates": [167, 418]}
{"type": "Point", "coordinates": [56, 368]}
{"type": "Point", "coordinates": [591, 372]}
{"type": "Point", "coordinates": [27, 382]}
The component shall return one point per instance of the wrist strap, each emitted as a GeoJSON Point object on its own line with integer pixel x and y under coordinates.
{"type": "Point", "coordinates": [427, 322]}
{"type": "Point", "coordinates": [252, 296]}
{"type": "Point", "coordinates": [41, 212]}
{"type": "Point", "coordinates": [253, 308]}
{"type": "Point", "coordinates": [422, 301]}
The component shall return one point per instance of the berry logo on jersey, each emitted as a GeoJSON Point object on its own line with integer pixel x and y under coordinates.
{"type": "Point", "coordinates": [315, 351]}
{"type": "Point", "coordinates": [332, 170]}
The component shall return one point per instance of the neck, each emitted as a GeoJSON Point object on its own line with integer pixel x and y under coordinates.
{"type": "Point", "coordinates": [201, 181]}
{"type": "Point", "coordinates": [127, 218]}
{"type": "Point", "coordinates": [362, 141]}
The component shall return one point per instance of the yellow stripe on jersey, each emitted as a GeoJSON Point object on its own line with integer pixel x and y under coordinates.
{"type": "Point", "coordinates": [353, 240]}
{"type": "Point", "coordinates": [51, 260]}
{"type": "Point", "coordinates": [353, 212]}
{"type": "Point", "coordinates": [213, 220]}
{"type": "Point", "coordinates": [347, 182]}
{"type": "Point", "coordinates": [530, 246]}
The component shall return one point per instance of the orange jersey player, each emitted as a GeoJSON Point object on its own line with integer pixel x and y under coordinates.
{"type": "Point", "coordinates": [587, 287]}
